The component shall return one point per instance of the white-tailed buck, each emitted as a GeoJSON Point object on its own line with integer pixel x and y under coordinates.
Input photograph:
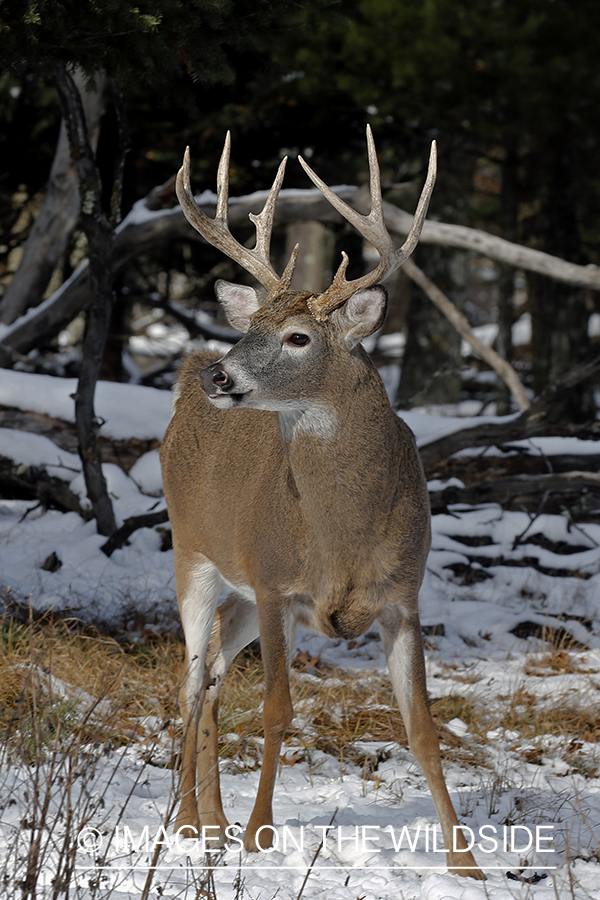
{"type": "Point", "coordinates": [291, 482]}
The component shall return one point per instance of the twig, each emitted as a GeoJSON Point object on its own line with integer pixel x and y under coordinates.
{"type": "Point", "coordinates": [317, 851]}
{"type": "Point", "coordinates": [119, 537]}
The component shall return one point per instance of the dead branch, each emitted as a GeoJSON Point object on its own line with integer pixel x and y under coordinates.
{"type": "Point", "coordinates": [193, 325]}
{"type": "Point", "coordinates": [533, 421]}
{"type": "Point", "coordinates": [462, 237]}
{"type": "Point", "coordinates": [120, 537]}
{"type": "Point", "coordinates": [19, 482]}
{"type": "Point", "coordinates": [501, 366]}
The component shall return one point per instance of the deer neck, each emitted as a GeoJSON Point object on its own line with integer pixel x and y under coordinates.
{"type": "Point", "coordinates": [349, 444]}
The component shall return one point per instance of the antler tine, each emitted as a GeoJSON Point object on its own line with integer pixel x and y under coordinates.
{"type": "Point", "coordinates": [221, 214]}
{"type": "Point", "coordinates": [372, 227]}
{"type": "Point", "coordinates": [216, 231]}
{"type": "Point", "coordinates": [414, 234]}
{"type": "Point", "coordinates": [264, 220]}
{"type": "Point", "coordinates": [376, 213]}
{"type": "Point", "coordinates": [288, 272]}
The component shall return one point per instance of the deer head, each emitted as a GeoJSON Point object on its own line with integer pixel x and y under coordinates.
{"type": "Point", "coordinates": [289, 331]}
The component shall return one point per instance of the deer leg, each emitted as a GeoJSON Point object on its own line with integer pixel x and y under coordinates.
{"type": "Point", "coordinates": [401, 634]}
{"type": "Point", "coordinates": [235, 626]}
{"type": "Point", "coordinates": [276, 639]}
{"type": "Point", "coordinates": [199, 585]}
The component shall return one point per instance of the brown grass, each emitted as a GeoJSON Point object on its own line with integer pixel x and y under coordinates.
{"type": "Point", "coordinates": [335, 709]}
{"type": "Point", "coordinates": [107, 686]}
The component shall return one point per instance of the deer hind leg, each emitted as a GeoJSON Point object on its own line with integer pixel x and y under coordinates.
{"type": "Point", "coordinates": [401, 634]}
{"type": "Point", "coordinates": [235, 626]}
{"type": "Point", "coordinates": [276, 640]}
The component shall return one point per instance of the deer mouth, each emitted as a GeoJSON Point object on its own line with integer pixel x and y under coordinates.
{"type": "Point", "coordinates": [226, 399]}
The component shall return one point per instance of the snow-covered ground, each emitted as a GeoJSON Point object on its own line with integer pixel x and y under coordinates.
{"type": "Point", "coordinates": [474, 652]}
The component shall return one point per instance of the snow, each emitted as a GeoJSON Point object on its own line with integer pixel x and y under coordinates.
{"type": "Point", "coordinates": [124, 410]}
{"type": "Point", "coordinates": [487, 334]}
{"type": "Point", "coordinates": [472, 653]}
{"type": "Point", "coordinates": [358, 853]}
{"type": "Point", "coordinates": [521, 330]}
{"type": "Point", "coordinates": [36, 450]}
{"type": "Point", "coordinates": [428, 428]}
{"type": "Point", "coordinates": [594, 325]}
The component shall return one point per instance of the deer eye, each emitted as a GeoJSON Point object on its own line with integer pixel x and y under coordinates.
{"type": "Point", "coordinates": [298, 340]}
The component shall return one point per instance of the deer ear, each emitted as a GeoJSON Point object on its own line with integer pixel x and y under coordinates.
{"type": "Point", "coordinates": [363, 313]}
{"type": "Point", "coordinates": [239, 302]}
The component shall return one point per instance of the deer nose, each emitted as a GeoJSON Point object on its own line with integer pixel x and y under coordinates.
{"type": "Point", "coordinates": [221, 378]}
{"type": "Point", "coordinates": [215, 377]}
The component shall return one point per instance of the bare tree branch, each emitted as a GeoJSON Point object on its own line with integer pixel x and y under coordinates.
{"type": "Point", "coordinates": [516, 255]}
{"type": "Point", "coordinates": [533, 421]}
{"type": "Point", "coordinates": [501, 366]}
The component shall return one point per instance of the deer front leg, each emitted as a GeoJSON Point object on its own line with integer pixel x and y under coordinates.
{"type": "Point", "coordinates": [276, 638]}
{"type": "Point", "coordinates": [235, 626]}
{"type": "Point", "coordinates": [198, 587]}
{"type": "Point", "coordinates": [401, 634]}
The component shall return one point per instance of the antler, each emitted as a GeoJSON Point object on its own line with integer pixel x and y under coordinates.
{"type": "Point", "coordinates": [371, 227]}
{"type": "Point", "coordinates": [216, 231]}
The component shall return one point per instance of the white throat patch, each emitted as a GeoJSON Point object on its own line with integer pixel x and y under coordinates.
{"type": "Point", "coordinates": [317, 420]}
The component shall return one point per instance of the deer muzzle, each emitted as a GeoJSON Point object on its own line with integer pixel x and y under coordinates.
{"type": "Point", "coordinates": [215, 380]}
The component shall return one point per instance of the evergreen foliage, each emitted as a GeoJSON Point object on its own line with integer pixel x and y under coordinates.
{"type": "Point", "coordinates": [150, 43]}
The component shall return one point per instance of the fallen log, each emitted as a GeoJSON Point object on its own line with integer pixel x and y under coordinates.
{"type": "Point", "coordinates": [536, 420]}
{"type": "Point", "coordinates": [553, 490]}
{"type": "Point", "coordinates": [145, 229]}
{"type": "Point", "coordinates": [62, 433]}
{"type": "Point", "coordinates": [20, 482]}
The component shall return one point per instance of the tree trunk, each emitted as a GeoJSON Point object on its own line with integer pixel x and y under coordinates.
{"type": "Point", "coordinates": [112, 364]}
{"type": "Point", "coordinates": [313, 270]}
{"type": "Point", "coordinates": [432, 362]}
{"type": "Point", "coordinates": [99, 234]}
{"type": "Point", "coordinates": [558, 311]}
{"type": "Point", "coordinates": [50, 234]}
{"type": "Point", "coordinates": [506, 280]}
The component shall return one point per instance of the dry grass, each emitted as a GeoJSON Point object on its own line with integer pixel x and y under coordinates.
{"type": "Point", "coordinates": [334, 708]}
{"type": "Point", "coordinates": [50, 669]}
{"type": "Point", "coordinates": [334, 711]}
{"type": "Point", "coordinates": [135, 687]}
{"type": "Point", "coordinates": [531, 718]}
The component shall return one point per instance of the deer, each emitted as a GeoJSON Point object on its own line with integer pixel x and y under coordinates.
{"type": "Point", "coordinates": [295, 492]}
